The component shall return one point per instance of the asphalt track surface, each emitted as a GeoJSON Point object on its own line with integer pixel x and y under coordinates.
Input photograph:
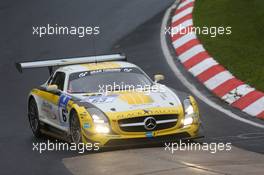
{"type": "Point", "coordinates": [132, 27]}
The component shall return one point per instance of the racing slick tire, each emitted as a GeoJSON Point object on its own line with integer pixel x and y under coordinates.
{"type": "Point", "coordinates": [75, 128]}
{"type": "Point", "coordinates": [33, 117]}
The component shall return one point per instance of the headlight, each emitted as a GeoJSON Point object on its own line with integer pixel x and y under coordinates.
{"type": "Point", "coordinates": [100, 120]}
{"type": "Point", "coordinates": [189, 112]}
{"type": "Point", "coordinates": [187, 121]}
{"type": "Point", "coordinates": [102, 129]}
{"type": "Point", "coordinates": [97, 116]}
{"type": "Point", "coordinates": [188, 108]}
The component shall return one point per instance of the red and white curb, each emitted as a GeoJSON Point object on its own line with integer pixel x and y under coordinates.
{"type": "Point", "coordinates": [201, 65]}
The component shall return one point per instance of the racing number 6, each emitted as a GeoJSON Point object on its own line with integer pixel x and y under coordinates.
{"type": "Point", "coordinates": [63, 102]}
{"type": "Point", "coordinates": [64, 114]}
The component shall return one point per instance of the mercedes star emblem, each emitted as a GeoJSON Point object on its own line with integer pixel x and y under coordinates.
{"type": "Point", "coordinates": [150, 123]}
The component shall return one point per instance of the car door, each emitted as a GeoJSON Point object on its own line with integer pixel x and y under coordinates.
{"type": "Point", "coordinates": [54, 106]}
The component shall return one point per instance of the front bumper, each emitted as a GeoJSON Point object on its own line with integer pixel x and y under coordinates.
{"type": "Point", "coordinates": [106, 140]}
{"type": "Point", "coordinates": [118, 134]}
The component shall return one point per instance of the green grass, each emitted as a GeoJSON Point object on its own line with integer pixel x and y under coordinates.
{"type": "Point", "coordinates": [242, 52]}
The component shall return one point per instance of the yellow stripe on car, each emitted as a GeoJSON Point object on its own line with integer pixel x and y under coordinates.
{"type": "Point", "coordinates": [135, 98]}
{"type": "Point", "coordinates": [103, 65]}
{"type": "Point", "coordinates": [46, 95]}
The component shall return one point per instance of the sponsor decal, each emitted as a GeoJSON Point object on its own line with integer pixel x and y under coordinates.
{"type": "Point", "coordinates": [112, 70]}
{"type": "Point", "coordinates": [98, 71]}
{"type": "Point", "coordinates": [105, 70]}
{"type": "Point", "coordinates": [143, 113]}
{"type": "Point", "coordinates": [63, 101]}
{"type": "Point", "coordinates": [63, 112]}
{"type": "Point", "coordinates": [149, 134]}
{"type": "Point", "coordinates": [100, 98]}
{"type": "Point", "coordinates": [127, 70]}
{"type": "Point", "coordinates": [47, 108]}
{"type": "Point", "coordinates": [146, 111]}
{"type": "Point", "coordinates": [83, 74]}
{"type": "Point", "coordinates": [86, 125]}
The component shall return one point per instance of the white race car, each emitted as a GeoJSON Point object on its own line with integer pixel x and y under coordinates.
{"type": "Point", "coordinates": [107, 100]}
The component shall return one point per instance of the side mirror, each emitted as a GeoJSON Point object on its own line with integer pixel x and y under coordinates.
{"type": "Point", "coordinates": [158, 77]}
{"type": "Point", "coordinates": [52, 88]}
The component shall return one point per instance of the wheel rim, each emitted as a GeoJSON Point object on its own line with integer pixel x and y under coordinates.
{"type": "Point", "coordinates": [75, 129]}
{"type": "Point", "coordinates": [33, 116]}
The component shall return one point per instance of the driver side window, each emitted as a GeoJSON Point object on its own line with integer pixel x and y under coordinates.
{"type": "Point", "coordinates": [58, 80]}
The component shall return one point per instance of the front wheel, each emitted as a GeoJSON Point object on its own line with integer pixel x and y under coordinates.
{"type": "Point", "coordinates": [33, 117]}
{"type": "Point", "coordinates": [75, 128]}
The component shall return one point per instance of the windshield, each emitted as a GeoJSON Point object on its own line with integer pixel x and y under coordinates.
{"type": "Point", "coordinates": [108, 80]}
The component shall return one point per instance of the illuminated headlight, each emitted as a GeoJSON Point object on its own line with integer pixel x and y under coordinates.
{"type": "Point", "coordinates": [187, 121]}
{"type": "Point", "coordinates": [102, 129]}
{"type": "Point", "coordinates": [188, 108]}
{"type": "Point", "coordinates": [97, 116]}
{"type": "Point", "coordinates": [100, 120]}
{"type": "Point", "coordinates": [97, 119]}
{"type": "Point", "coordinates": [189, 112]}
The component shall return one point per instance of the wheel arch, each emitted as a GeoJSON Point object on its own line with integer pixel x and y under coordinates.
{"type": "Point", "coordinates": [37, 101]}
{"type": "Point", "coordinates": [72, 111]}
{"type": "Point", "coordinates": [31, 97]}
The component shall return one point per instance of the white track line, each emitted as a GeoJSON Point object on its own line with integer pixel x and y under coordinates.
{"type": "Point", "coordinates": [186, 83]}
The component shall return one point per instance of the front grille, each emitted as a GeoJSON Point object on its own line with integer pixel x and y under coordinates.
{"type": "Point", "coordinates": [137, 124]}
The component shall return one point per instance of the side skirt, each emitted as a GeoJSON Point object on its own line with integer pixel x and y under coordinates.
{"type": "Point", "coordinates": [51, 131]}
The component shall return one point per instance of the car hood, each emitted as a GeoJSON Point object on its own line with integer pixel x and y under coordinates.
{"type": "Point", "coordinates": [121, 101]}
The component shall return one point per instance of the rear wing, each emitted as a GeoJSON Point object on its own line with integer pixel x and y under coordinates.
{"type": "Point", "coordinates": [69, 61]}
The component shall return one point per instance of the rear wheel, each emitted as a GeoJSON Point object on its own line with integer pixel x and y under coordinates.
{"type": "Point", "coordinates": [33, 117]}
{"type": "Point", "coordinates": [75, 128]}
